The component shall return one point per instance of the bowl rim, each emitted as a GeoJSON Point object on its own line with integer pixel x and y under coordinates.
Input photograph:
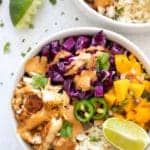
{"type": "Point", "coordinates": [112, 21]}
{"type": "Point", "coordinates": [61, 35]}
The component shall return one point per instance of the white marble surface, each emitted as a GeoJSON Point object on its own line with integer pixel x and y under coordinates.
{"type": "Point", "coordinates": [50, 19]}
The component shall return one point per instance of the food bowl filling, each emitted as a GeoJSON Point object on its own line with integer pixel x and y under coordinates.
{"type": "Point", "coordinates": [72, 86]}
{"type": "Point", "coordinates": [129, 11]}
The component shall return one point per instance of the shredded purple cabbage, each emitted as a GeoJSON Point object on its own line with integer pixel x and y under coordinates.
{"type": "Point", "coordinates": [55, 75]}
{"type": "Point", "coordinates": [98, 91]}
{"type": "Point", "coordinates": [73, 43]}
{"type": "Point", "coordinates": [99, 39]}
{"type": "Point", "coordinates": [74, 93]}
{"type": "Point", "coordinates": [82, 42]}
{"type": "Point", "coordinates": [69, 44]}
{"type": "Point", "coordinates": [116, 48]}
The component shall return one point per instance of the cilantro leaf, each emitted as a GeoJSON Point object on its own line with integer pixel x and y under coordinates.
{"type": "Point", "coordinates": [102, 62]}
{"type": "Point", "coordinates": [146, 95]}
{"type": "Point", "coordinates": [39, 81]}
{"type": "Point", "coordinates": [1, 24]}
{"type": "Point", "coordinates": [66, 130]}
{"type": "Point", "coordinates": [6, 48]}
{"type": "Point", "coordinates": [53, 2]}
{"type": "Point", "coordinates": [95, 139]}
{"type": "Point", "coordinates": [115, 109]}
{"type": "Point", "coordinates": [23, 54]}
{"type": "Point", "coordinates": [31, 26]}
{"type": "Point", "coordinates": [123, 103]}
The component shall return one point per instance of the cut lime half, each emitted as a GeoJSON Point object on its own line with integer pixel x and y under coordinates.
{"type": "Point", "coordinates": [125, 135]}
{"type": "Point", "coordinates": [22, 12]}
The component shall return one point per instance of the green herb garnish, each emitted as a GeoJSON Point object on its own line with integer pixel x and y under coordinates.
{"type": "Point", "coordinates": [6, 48]}
{"type": "Point", "coordinates": [53, 2]}
{"type": "Point", "coordinates": [123, 103]}
{"type": "Point", "coordinates": [94, 139]}
{"type": "Point", "coordinates": [132, 93]}
{"type": "Point", "coordinates": [119, 11]}
{"type": "Point", "coordinates": [23, 54]}
{"type": "Point", "coordinates": [31, 26]}
{"type": "Point", "coordinates": [146, 95]}
{"type": "Point", "coordinates": [29, 49]}
{"type": "Point", "coordinates": [39, 81]}
{"type": "Point", "coordinates": [1, 24]}
{"type": "Point", "coordinates": [115, 109]}
{"type": "Point", "coordinates": [66, 130]}
{"type": "Point", "coordinates": [1, 2]}
{"type": "Point", "coordinates": [119, 107]}
{"type": "Point", "coordinates": [102, 62]}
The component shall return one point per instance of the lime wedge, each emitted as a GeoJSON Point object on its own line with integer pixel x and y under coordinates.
{"type": "Point", "coordinates": [125, 135]}
{"type": "Point", "coordinates": [22, 12]}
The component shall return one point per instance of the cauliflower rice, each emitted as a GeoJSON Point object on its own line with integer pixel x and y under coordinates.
{"type": "Point", "coordinates": [131, 11]}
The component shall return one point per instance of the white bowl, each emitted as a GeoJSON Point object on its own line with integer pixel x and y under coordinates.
{"type": "Point", "coordinates": [109, 23]}
{"type": "Point", "coordinates": [80, 31]}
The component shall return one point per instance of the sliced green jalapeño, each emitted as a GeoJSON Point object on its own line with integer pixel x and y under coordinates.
{"type": "Point", "coordinates": [83, 111]}
{"type": "Point", "coordinates": [101, 108]}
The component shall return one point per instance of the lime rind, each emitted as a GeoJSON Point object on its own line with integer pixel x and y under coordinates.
{"type": "Point", "coordinates": [25, 18]}
{"type": "Point", "coordinates": [135, 136]}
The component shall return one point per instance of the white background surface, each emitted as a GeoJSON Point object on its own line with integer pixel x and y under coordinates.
{"type": "Point", "coordinates": [49, 19]}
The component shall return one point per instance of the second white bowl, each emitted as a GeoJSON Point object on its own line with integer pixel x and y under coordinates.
{"type": "Point", "coordinates": [109, 23]}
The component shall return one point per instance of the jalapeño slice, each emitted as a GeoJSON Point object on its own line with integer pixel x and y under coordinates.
{"type": "Point", "coordinates": [101, 108]}
{"type": "Point", "coordinates": [83, 111]}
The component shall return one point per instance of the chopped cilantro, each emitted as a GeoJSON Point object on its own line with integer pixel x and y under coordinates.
{"type": "Point", "coordinates": [146, 95]}
{"type": "Point", "coordinates": [115, 109]}
{"type": "Point", "coordinates": [66, 130]}
{"type": "Point", "coordinates": [94, 139]}
{"type": "Point", "coordinates": [23, 54]}
{"type": "Point", "coordinates": [6, 48]}
{"type": "Point", "coordinates": [102, 62]}
{"type": "Point", "coordinates": [31, 26]}
{"type": "Point", "coordinates": [124, 102]}
{"type": "Point", "coordinates": [1, 24]}
{"type": "Point", "coordinates": [132, 93]}
{"type": "Point", "coordinates": [1, 2]}
{"type": "Point", "coordinates": [53, 2]}
{"type": "Point", "coordinates": [39, 81]}
{"type": "Point", "coordinates": [119, 107]}
{"type": "Point", "coordinates": [29, 49]}
{"type": "Point", "coordinates": [119, 11]}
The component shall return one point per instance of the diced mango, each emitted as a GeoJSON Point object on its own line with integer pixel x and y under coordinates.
{"type": "Point", "coordinates": [117, 115]}
{"type": "Point", "coordinates": [147, 85]}
{"type": "Point", "coordinates": [137, 89]}
{"type": "Point", "coordinates": [130, 105]}
{"type": "Point", "coordinates": [135, 65]}
{"type": "Point", "coordinates": [110, 97]}
{"type": "Point", "coordinates": [121, 89]}
{"type": "Point", "coordinates": [102, 3]}
{"type": "Point", "coordinates": [130, 115]}
{"type": "Point", "coordinates": [132, 58]}
{"type": "Point", "coordinates": [122, 63]}
{"type": "Point", "coordinates": [142, 112]}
